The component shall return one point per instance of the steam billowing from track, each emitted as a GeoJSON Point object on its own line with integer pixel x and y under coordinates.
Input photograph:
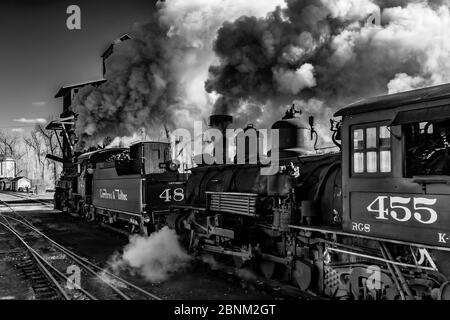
{"type": "Point", "coordinates": [255, 56]}
{"type": "Point", "coordinates": [154, 258]}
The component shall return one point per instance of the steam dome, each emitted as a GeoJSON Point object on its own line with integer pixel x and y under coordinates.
{"type": "Point", "coordinates": [294, 135]}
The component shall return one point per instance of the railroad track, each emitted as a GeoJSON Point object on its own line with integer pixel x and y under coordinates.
{"type": "Point", "coordinates": [46, 202]}
{"type": "Point", "coordinates": [273, 288]}
{"type": "Point", "coordinates": [48, 262]}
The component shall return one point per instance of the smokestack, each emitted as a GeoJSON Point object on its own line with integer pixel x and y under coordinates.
{"type": "Point", "coordinates": [221, 122]}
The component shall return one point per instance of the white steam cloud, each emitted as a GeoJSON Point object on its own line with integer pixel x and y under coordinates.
{"type": "Point", "coordinates": [158, 76]}
{"type": "Point", "coordinates": [154, 257]}
{"type": "Point", "coordinates": [293, 81]}
{"type": "Point", "coordinates": [347, 58]}
{"type": "Point", "coordinates": [249, 56]}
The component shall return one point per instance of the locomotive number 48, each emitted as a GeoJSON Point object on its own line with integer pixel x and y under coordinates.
{"type": "Point", "coordinates": [172, 194]}
{"type": "Point", "coordinates": [400, 209]}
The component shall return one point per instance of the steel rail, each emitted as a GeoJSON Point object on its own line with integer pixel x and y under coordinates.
{"type": "Point", "coordinates": [23, 196]}
{"type": "Point", "coordinates": [79, 261]}
{"type": "Point", "coordinates": [82, 261]}
{"type": "Point", "coordinates": [35, 256]}
{"type": "Point", "coordinates": [90, 296]}
{"type": "Point", "coordinates": [67, 251]}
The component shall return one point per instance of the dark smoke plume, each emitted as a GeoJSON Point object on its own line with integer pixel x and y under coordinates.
{"type": "Point", "coordinates": [140, 85]}
{"type": "Point", "coordinates": [157, 78]}
{"type": "Point", "coordinates": [325, 53]}
{"type": "Point", "coordinates": [248, 57]}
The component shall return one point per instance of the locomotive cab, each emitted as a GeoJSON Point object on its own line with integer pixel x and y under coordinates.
{"type": "Point", "coordinates": [151, 155]}
{"type": "Point", "coordinates": [86, 164]}
{"type": "Point", "coordinates": [396, 166]}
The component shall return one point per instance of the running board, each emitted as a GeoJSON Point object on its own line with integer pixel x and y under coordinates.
{"type": "Point", "coordinates": [114, 229]}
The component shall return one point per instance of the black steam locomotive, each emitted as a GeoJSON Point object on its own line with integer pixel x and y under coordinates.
{"type": "Point", "coordinates": [125, 189]}
{"type": "Point", "coordinates": [368, 222]}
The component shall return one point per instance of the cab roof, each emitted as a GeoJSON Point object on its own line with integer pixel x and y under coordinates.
{"type": "Point", "coordinates": [100, 155]}
{"type": "Point", "coordinates": [396, 100]}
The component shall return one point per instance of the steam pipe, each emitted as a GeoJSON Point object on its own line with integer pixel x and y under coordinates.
{"type": "Point", "coordinates": [399, 273]}
{"type": "Point", "coordinates": [336, 133]}
{"type": "Point", "coordinates": [395, 263]}
{"type": "Point", "coordinates": [314, 132]}
{"type": "Point", "coordinates": [333, 137]}
{"type": "Point", "coordinates": [394, 277]}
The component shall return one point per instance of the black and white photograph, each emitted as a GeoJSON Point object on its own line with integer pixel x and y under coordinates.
{"type": "Point", "coordinates": [234, 157]}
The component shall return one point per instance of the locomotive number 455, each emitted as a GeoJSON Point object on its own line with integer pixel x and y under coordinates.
{"type": "Point", "coordinates": [404, 209]}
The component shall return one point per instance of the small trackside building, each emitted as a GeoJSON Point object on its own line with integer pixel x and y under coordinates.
{"type": "Point", "coordinates": [21, 184]}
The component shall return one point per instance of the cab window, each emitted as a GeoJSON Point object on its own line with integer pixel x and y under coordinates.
{"type": "Point", "coordinates": [371, 150]}
{"type": "Point", "coordinates": [427, 148]}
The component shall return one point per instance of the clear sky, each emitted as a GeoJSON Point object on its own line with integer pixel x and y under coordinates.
{"type": "Point", "coordinates": [38, 54]}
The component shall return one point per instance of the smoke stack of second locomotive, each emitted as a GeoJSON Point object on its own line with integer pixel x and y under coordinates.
{"type": "Point", "coordinates": [221, 122]}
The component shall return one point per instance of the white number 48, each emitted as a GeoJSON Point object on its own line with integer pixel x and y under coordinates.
{"type": "Point", "coordinates": [402, 213]}
{"type": "Point", "coordinates": [175, 195]}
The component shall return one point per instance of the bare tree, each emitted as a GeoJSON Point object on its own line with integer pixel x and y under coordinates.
{"type": "Point", "coordinates": [36, 142]}
{"type": "Point", "coordinates": [51, 147]}
{"type": "Point", "coordinates": [9, 145]}
{"type": "Point", "coordinates": [43, 142]}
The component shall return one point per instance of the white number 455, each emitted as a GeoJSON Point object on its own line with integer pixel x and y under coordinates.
{"type": "Point", "coordinates": [399, 212]}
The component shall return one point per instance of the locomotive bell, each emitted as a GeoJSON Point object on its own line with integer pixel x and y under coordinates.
{"type": "Point", "coordinates": [295, 134]}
